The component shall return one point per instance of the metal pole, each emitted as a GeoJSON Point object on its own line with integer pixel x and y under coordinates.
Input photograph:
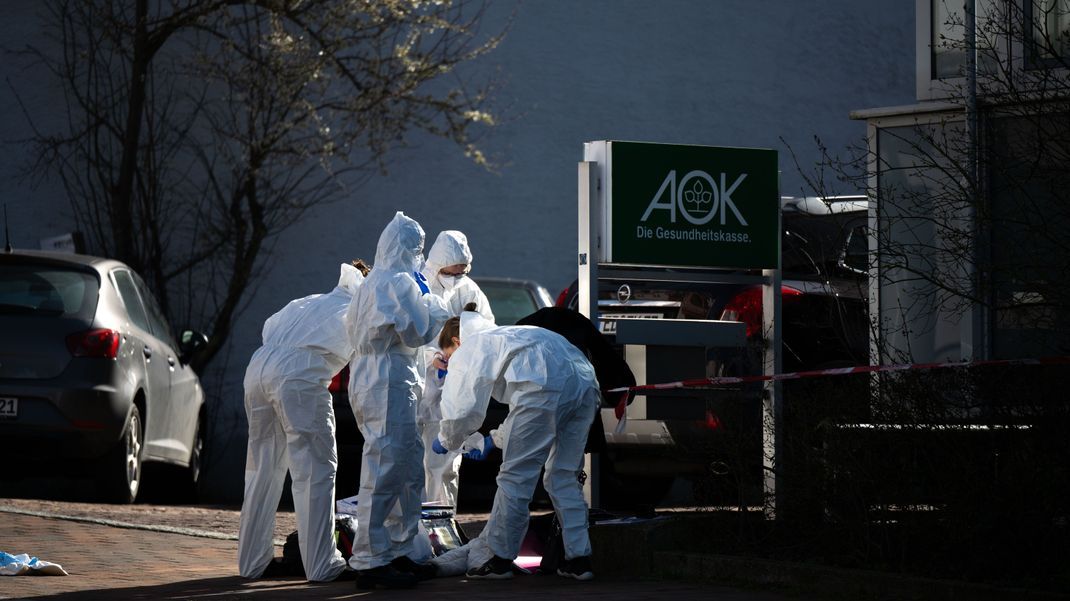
{"type": "Point", "coordinates": [773, 401]}
{"type": "Point", "coordinates": [587, 258]}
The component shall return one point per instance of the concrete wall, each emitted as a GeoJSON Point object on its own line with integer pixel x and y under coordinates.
{"type": "Point", "coordinates": [729, 73]}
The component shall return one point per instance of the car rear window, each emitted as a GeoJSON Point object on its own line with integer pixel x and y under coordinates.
{"type": "Point", "coordinates": [47, 291]}
{"type": "Point", "coordinates": [508, 303]}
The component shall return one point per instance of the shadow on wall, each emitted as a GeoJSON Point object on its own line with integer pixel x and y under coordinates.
{"type": "Point", "coordinates": [224, 468]}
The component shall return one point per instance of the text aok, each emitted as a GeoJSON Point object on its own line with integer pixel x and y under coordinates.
{"type": "Point", "coordinates": [721, 197]}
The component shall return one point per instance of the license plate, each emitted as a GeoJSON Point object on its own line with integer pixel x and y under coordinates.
{"type": "Point", "coordinates": [608, 324]}
{"type": "Point", "coordinates": [9, 407]}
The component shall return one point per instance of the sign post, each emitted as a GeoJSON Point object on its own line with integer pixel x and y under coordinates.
{"type": "Point", "coordinates": [669, 212]}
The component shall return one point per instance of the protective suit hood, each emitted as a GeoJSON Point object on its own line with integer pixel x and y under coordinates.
{"type": "Point", "coordinates": [450, 248]}
{"type": "Point", "coordinates": [401, 245]}
{"type": "Point", "coordinates": [473, 323]}
{"type": "Point", "coordinates": [350, 278]}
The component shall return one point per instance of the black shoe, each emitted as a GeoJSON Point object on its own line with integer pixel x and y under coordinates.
{"type": "Point", "coordinates": [278, 568]}
{"type": "Point", "coordinates": [496, 568]}
{"type": "Point", "coordinates": [577, 567]}
{"type": "Point", "coordinates": [386, 577]}
{"type": "Point", "coordinates": [422, 571]}
{"type": "Point", "coordinates": [346, 575]}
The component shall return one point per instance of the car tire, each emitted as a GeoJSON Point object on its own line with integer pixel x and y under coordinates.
{"type": "Point", "coordinates": [196, 458]}
{"type": "Point", "coordinates": [123, 467]}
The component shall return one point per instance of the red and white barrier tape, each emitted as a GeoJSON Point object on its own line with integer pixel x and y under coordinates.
{"type": "Point", "coordinates": [621, 409]}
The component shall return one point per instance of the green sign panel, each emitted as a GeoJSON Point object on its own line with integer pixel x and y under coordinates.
{"type": "Point", "coordinates": [693, 206]}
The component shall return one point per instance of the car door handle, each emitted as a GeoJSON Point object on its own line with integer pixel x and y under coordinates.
{"type": "Point", "coordinates": [171, 361]}
{"type": "Point", "coordinates": [148, 352]}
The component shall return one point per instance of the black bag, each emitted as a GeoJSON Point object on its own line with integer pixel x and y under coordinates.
{"type": "Point", "coordinates": [290, 564]}
{"type": "Point", "coordinates": [553, 547]}
{"type": "Point", "coordinates": [345, 531]}
{"type": "Point", "coordinates": [609, 367]}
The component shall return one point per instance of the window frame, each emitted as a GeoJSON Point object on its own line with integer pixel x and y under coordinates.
{"type": "Point", "coordinates": [929, 87]}
{"type": "Point", "coordinates": [1030, 60]}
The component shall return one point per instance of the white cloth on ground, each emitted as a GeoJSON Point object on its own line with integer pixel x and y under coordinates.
{"type": "Point", "coordinates": [18, 565]}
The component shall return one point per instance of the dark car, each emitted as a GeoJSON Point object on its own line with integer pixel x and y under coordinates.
{"type": "Point", "coordinates": [510, 299]}
{"type": "Point", "coordinates": [91, 379]}
{"type": "Point", "coordinates": [824, 324]}
{"type": "Point", "coordinates": [824, 273]}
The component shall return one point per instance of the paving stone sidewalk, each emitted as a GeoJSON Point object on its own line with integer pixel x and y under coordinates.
{"type": "Point", "coordinates": [108, 562]}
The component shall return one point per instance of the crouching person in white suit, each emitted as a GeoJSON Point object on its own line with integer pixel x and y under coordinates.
{"type": "Point", "coordinates": [553, 397]}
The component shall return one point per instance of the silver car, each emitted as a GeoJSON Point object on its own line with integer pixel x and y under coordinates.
{"type": "Point", "coordinates": [512, 299]}
{"type": "Point", "coordinates": [91, 379]}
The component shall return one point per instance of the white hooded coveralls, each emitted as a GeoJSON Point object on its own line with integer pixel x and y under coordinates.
{"type": "Point", "coordinates": [388, 320]}
{"type": "Point", "coordinates": [553, 396]}
{"type": "Point", "coordinates": [292, 425]}
{"type": "Point", "coordinates": [441, 471]}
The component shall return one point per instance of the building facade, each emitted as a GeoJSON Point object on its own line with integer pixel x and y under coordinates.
{"type": "Point", "coordinates": [968, 231]}
{"type": "Point", "coordinates": [766, 75]}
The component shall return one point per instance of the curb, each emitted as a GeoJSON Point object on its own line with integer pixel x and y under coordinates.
{"type": "Point", "coordinates": [129, 525]}
{"type": "Point", "coordinates": [475, 525]}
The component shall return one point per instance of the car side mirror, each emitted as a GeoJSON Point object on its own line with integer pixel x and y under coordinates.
{"type": "Point", "coordinates": [189, 343]}
{"type": "Point", "coordinates": [852, 265]}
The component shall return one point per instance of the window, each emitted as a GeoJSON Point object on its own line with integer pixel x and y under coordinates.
{"type": "Point", "coordinates": [1048, 34]}
{"type": "Point", "coordinates": [160, 327]}
{"type": "Point", "coordinates": [128, 292]}
{"type": "Point", "coordinates": [1030, 216]}
{"type": "Point", "coordinates": [948, 37]}
{"type": "Point", "coordinates": [46, 291]}
{"type": "Point", "coordinates": [919, 315]}
{"type": "Point", "coordinates": [509, 303]}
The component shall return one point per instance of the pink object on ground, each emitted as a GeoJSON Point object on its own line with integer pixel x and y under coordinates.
{"type": "Point", "coordinates": [529, 562]}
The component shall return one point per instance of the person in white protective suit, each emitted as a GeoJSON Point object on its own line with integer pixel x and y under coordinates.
{"type": "Point", "coordinates": [292, 426]}
{"type": "Point", "coordinates": [553, 397]}
{"type": "Point", "coordinates": [446, 270]}
{"type": "Point", "coordinates": [391, 316]}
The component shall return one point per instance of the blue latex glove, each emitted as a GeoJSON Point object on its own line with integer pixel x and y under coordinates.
{"type": "Point", "coordinates": [441, 364]}
{"type": "Point", "coordinates": [421, 281]}
{"type": "Point", "coordinates": [476, 455]}
{"type": "Point", "coordinates": [437, 447]}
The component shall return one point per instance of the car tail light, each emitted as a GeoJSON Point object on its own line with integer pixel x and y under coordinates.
{"type": "Point", "coordinates": [101, 343]}
{"type": "Point", "coordinates": [747, 307]}
{"type": "Point", "coordinates": [340, 381]}
{"type": "Point", "coordinates": [562, 298]}
{"type": "Point", "coordinates": [712, 421]}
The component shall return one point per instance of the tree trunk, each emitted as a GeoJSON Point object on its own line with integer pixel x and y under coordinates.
{"type": "Point", "coordinates": [122, 194]}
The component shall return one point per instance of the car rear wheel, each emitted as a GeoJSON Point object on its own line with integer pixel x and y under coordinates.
{"type": "Point", "coordinates": [196, 457]}
{"type": "Point", "coordinates": [122, 477]}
